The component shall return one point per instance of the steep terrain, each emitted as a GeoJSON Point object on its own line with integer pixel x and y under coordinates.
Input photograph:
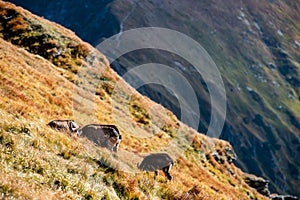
{"type": "Point", "coordinates": [40, 81]}
{"type": "Point", "coordinates": [255, 45]}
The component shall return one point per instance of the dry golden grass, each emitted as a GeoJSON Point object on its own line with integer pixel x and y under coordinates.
{"type": "Point", "coordinates": [38, 162]}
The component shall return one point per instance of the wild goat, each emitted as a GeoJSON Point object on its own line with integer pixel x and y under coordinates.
{"type": "Point", "coordinates": [107, 136]}
{"type": "Point", "coordinates": [64, 125]}
{"type": "Point", "coordinates": [157, 161]}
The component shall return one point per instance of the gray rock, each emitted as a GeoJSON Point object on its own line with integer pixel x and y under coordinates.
{"type": "Point", "coordinates": [230, 154]}
{"type": "Point", "coordinates": [261, 185]}
{"type": "Point", "coordinates": [284, 197]}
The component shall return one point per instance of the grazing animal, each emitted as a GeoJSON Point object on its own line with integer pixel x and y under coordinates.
{"type": "Point", "coordinates": [64, 125]}
{"type": "Point", "coordinates": [157, 161]}
{"type": "Point", "coordinates": [107, 136]}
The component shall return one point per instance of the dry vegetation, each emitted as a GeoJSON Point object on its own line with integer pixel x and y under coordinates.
{"type": "Point", "coordinates": [37, 162]}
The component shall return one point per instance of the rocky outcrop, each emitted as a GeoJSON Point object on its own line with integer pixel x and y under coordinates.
{"type": "Point", "coordinates": [226, 154]}
{"type": "Point", "coordinates": [284, 197]}
{"type": "Point", "coordinates": [230, 154]}
{"type": "Point", "coordinates": [261, 185]}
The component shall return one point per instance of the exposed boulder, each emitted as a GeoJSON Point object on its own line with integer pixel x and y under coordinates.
{"type": "Point", "coordinates": [217, 157]}
{"type": "Point", "coordinates": [284, 197]}
{"type": "Point", "coordinates": [221, 156]}
{"type": "Point", "coordinates": [230, 154]}
{"type": "Point", "coordinates": [261, 185]}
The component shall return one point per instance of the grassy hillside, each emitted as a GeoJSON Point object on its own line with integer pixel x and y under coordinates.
{"type": "Point", "coordinates": [38, 62]}
{"type": "Point", "coordinates": [255, 45]}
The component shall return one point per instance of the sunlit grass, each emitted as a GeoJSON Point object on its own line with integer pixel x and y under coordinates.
{"type": "Point", "coordinates": [38, 162]}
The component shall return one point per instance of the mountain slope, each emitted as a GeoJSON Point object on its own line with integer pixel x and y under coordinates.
{"type": "Point", "coordinates": [38, 162]}
{"type": "Point", "coordinates": [255, 45]}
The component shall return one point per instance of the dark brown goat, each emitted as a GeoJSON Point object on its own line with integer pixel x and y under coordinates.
{"type": "Point", "coordinates": [157, 161]}
{"type": "Point", "coordinates": [107, 136]}
{"type": "Point", "coordinates": [64, 125]}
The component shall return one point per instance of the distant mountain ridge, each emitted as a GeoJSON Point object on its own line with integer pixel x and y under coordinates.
{"type": "Point", "coordinates": [256, 46]}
